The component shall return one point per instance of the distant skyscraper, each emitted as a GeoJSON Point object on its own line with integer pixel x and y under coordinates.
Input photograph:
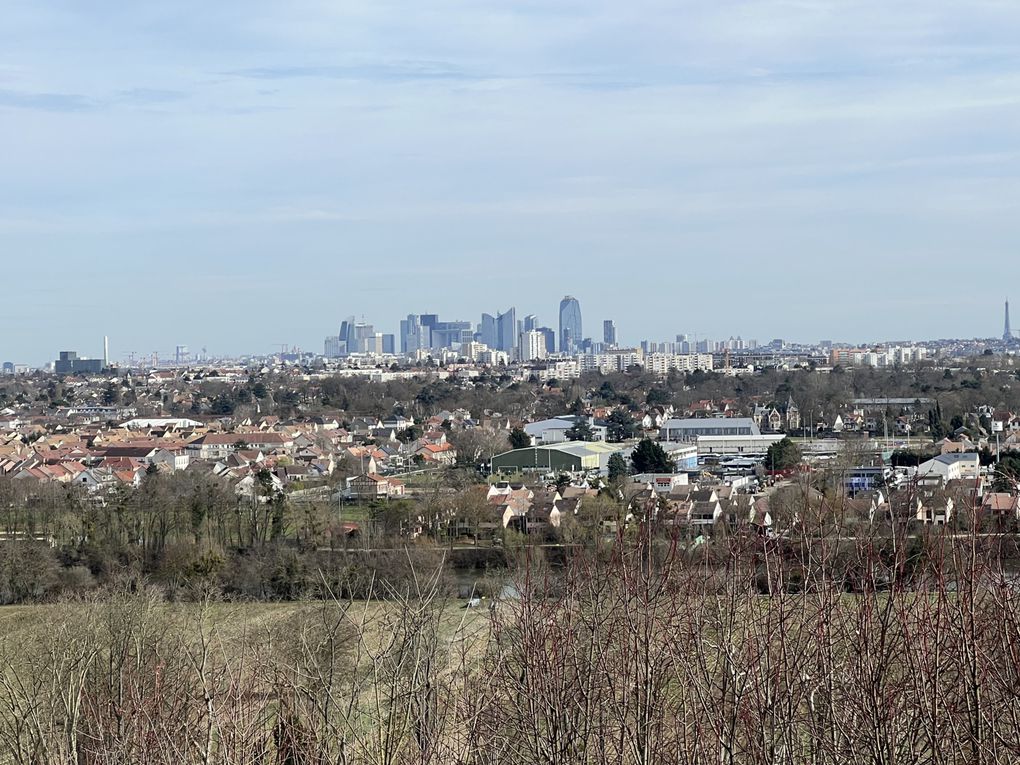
{"type": "Point", "coordinates": [506, 330]}
{"type": "Point", "coordinates": [550, 338]}
{"type": "Point", "coordinates": [570, 324]}
{"type": "Point", "coordinates": [355, 337]}
{"type": "Point", "coordinates": [331, 347]}
{"type": "Point", "coordinates": [365, 340]}
{"type": "Point", "coordinates": [414, 336]}
{"type": "Point", "coordinates": [487, 331]}
{"type": "Point", "coordinates": [346, 336]}
{"type": "Point", "coordinates": [530, 323]}
{"type": "Point", "coordinates": [532, 345]}
{"type": "Point", "coordinates": [1007, 332]}
{"type": "Point", "coordinates": [609, 332]}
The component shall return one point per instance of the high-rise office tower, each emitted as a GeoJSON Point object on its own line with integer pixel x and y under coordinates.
{"type": "Point", "coordinates": [346, 336]}
{"type": "Point", "coordinates": [331, 347]}
{"type": "Point", "coordinates": [356, 337]}
{"type": "Point", "coordinates": [414, 336]}
{"type": "Point", "coordinates": [570, 324]}
{"type": "Point", "coordinates": [487, 331]}
{"type": "Point", "coordinates": [530, 323]}
{"type": "Point", "coordinates": [609, 332]}
{"type": "Point", "coordinates": [506, 330]}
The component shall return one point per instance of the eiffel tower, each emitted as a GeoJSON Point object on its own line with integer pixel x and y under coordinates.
{"type": "Point", "coordinates": [1007, 333]}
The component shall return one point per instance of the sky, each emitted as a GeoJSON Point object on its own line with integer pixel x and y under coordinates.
{"type": "Point", "coordinates": [235, 175]}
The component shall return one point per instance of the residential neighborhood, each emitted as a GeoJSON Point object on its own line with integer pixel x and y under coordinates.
{"type": "Point", "coordinates": [548, 450]}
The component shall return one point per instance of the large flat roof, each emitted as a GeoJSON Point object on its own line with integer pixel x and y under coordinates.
{"type": "Point", "coordinates": [573, 448]}
{"type": "Point", "coordinates": [708, 422]}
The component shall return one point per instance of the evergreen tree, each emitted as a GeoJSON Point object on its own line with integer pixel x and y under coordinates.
{"type": "Point", "coordinates": [783, 455]}
{"type": "Point", "coordinates": [620, 426]}
{"type": "Point", "coordinates": [581, 431]}
{"type": "Point", "coordinates": [519, 439]}
{"type": "Point", "coordinates": [1007, 472]}
{"type": "Point", "coordinates": [649, 457]}
{"type": "Point", "coordinates": [617, 468]}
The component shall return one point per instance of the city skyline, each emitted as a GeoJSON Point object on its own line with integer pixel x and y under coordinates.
{"type": "Point", "coordinates": [391, 340]}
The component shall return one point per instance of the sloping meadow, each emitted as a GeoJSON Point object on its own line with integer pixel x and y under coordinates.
{"type": "Point", "coordinates": [643, 653]}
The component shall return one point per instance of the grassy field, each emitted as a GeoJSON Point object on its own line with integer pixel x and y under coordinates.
{"type": "Point", "coordinates": [230, 622]}
{"type": "Point", "coordinates": [116, 675]}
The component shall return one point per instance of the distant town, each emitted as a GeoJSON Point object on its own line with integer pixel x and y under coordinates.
{"type": "Point", "coordinates": [531, 347]}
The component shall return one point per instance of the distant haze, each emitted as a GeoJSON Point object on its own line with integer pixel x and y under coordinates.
{"type": "Point", "coordinates": [237, 175]}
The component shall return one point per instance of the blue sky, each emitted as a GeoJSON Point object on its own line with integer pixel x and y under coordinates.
{"type": "Point", "coordinates": [240, 174]}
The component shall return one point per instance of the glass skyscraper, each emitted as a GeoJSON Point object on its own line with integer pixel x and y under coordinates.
{"type": "Point", "coordinates": [506, 330]}
{"type": "Point", "coordinates": [570, 325]}
{"type": "Point", "coordinates": [609, 332]}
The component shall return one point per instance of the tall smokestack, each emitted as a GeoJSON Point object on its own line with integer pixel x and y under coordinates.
{"type": "Point", "coordinates": [106, 351]}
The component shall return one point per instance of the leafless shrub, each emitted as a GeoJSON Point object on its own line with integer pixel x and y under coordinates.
{"type": "Point", "coordinates": [885, 647]}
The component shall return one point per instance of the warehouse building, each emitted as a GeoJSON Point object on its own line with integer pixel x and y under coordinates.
{"type": "Point", "coordinates": [567, 457]}
{"type": "Point", "coordinates": [688, 430]}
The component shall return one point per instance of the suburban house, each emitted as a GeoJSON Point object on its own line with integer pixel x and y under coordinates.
{"type": "Point", "coordinates": [1000, 505]}
{"type": "Point", "coordinates": [170, 458]}
{"type": "Point", "coordinates": [703, 515]}
{"type": "Point", "coordinates": [372, 486]}
{"type": "Point", "coordinates": [934, 510]}
{"type": "Point", "coordinates": [250, 487]}
{"type": "Point", "coordinates": [220, 445]}
{"type": "Point", "coordinates": [443, 454]}
{"type": "Point", "coordinates": [661, 482]}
